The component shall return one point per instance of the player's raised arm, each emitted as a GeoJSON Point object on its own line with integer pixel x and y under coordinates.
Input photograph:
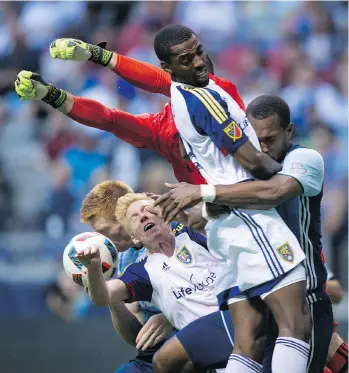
{"type": "Point", "coordinates": [137, 130]}
{"type": "Point", "coordinates": [140, 74]}
{"type": "Point", "coordinates": [211, 117]}
{"type": "Point", "coordinates": [102, 292]}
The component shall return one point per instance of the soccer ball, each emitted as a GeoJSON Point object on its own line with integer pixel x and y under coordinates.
{"type": "Point", "coordinates": [76, 270]}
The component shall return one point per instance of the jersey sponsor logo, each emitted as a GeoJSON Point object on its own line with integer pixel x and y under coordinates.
{"type": "Point", "coordinates": [286, 252]}
{"type": "Point", "coordinates": [299, 168]}
{"type": "Point", "coordinates": [196, 286]}
{"type": "Point", "coordinates": [165, 267]}
{"type": "Point", "coordinates": [184, 255]}
{"type": "Point", "coordinates": [233, 131]}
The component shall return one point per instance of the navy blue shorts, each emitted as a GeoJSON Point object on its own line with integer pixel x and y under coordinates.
{"type": "Point", "coordinates": [136, 366]}
{"type": "Point", "coordinates": [322, 330]}
{"type": "Point", "coordinates": [208, 340]}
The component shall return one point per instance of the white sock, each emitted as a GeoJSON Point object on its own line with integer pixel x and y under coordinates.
{"type": "Point", "coordinates": [242, 364]}
{"type": "Point", "coordinates": [290, 356]}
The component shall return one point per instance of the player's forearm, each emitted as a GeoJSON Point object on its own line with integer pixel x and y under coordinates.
{"type": "Point", "coordinates": [87, 111]}
{"type": "Point", "coordinates": [254, 194]}
{"type": "Point", "coordinates": [140, 74]}
{"type": "Point", "coordinates": [125, 323]}
{"type": "Point", "coordinates": [97, 286]}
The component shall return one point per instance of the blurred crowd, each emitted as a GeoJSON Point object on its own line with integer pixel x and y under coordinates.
{"type": "Point", "coordinates": [297, 50]}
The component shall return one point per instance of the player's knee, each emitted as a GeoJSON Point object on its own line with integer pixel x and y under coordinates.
{"type": "Point", "coordinates": [162, 363]}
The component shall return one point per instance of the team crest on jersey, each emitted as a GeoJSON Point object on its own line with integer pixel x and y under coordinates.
{"type": "Point", "coordinates": [233, 131]}
{"type": "Point", "coordinates": [184, 255]}
{"type": "Point", "coordinates": [286, 252]}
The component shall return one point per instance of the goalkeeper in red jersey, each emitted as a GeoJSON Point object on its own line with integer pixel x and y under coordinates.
{"type": "Point", "coordinates": [150, 131]}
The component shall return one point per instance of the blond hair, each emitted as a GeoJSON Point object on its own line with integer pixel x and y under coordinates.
{"type": "Point", "coordinates": [102, 199]}
{"type": "Point", "coordinates": [124, 203]}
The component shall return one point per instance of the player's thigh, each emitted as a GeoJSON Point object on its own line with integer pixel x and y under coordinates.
{"type": "Point", "coordinates": [208, 340]}
{"type": "Point", "coordinates": [321, 333]}
{"type": "Point", "coordinates": [250, 319]}
{"type": "Point", "coordinates": [136, 366]}
{"type": "Point", "coordinates": [172, 358]}
{"type": "Point", "coordinates": [287, 302]}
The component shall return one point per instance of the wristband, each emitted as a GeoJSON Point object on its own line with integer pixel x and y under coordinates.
{"type": "Point", "coordinates": [55, 96]}
{"type": "Point", "coordinates": [208, 193]}
{"type": "Point", "coordinates": [99, 55]}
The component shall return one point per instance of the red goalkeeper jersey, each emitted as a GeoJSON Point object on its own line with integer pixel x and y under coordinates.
{"type": "Point", "coordinates": [150, 131]}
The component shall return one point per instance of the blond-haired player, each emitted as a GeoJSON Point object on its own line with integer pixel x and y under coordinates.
{"type": "Point", "coordinates": [178, 277]}
{"type": "Point", "coordinates": [137, 323]}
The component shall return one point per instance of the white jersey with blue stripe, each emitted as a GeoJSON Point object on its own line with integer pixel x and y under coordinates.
{"type": "Point", "coordinates": [181, 286]}
{"type": "Point", "coordinates": [256, 247]}
{"type": "Point", "coordinates": [212, 125]}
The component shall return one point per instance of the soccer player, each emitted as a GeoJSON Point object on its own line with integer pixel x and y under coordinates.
{"type": "Point", "coordinates": [263, 255]}
{"type": "Point", "coordinates": [157, 132]}
{"type": "Point", "coordinates": [139, 324]}
{"type": "Point", "coordinates": [296, 192]}
{"type": "Point", "coordinates": [178, 278]}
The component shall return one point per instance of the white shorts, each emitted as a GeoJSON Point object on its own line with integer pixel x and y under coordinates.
{"type": "Point", "coordinates": [253, 247]}
{"type": "Point", "coordinates": [296, 275]}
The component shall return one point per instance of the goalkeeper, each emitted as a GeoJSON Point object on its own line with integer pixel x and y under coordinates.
{"type": "Point", "coordinates": [151, 131]}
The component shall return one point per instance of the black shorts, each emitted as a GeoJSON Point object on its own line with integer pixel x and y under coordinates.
{"type": "Point", "coordinates": [208, 340]}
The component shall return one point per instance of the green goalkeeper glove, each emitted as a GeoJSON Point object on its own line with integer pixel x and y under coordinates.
{"type": "Point", "coordinates": [30, 86]}
{"type": "Point", "coordinates": [77, 50]}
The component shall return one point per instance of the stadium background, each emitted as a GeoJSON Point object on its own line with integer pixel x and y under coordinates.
{"type": "Point", "coordinates": [295, 49]}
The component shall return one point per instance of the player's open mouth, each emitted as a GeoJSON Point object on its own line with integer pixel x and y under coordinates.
{"type": "Point", "coordinates": [148, 226]}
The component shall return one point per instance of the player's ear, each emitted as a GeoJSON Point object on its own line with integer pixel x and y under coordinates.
{"type": "Point", "coordinates": [166, 66]}
{"type": "Point", "coordinates": [289, 130]}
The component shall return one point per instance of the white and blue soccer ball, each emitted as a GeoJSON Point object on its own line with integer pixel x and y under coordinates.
{"type": "Point", "coordinates": [76, 270]}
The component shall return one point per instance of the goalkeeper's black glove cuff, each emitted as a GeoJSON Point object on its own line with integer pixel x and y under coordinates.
{"type": "Point", "coordinates": [55, 96]}
{"type": "Point", "coordinates": [99, 55]}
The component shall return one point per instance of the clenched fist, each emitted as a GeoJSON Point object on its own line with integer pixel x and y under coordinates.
{"type": "Point", "coordinates": [89, 256]}
{"type": "Point", "coordinates": [77, 50]}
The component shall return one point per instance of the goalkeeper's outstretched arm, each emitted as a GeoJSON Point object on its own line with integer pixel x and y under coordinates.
{"type": "Point", "coordinates": [137, 130]}
{"type": "Point", "coordinates": [140, 74]}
